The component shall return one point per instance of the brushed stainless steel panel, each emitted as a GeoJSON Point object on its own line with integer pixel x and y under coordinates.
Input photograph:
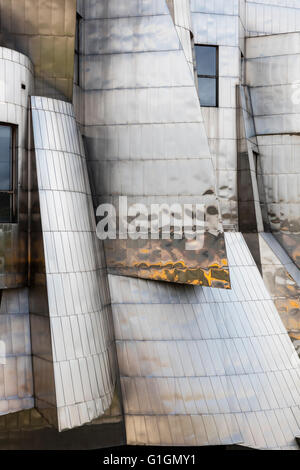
{"type": "Point", "coordinates": [45, 32]}
{"type": "Point", "coordinates": [133, 116]}
{"type": "Point", "coordinates": [16, 378]}
{"type": "Point", "coordinates": [77, 315]}
{"type": "Point", "coordinates": [218, 362]}
{"type": "Point", "coordinates": [15, 70]}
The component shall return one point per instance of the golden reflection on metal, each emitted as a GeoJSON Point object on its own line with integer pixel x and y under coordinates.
{"type": "Point", "coordinates": [169, 261]}
{"type": "Point", "coordinates": [291, 243]}
{"type": "Point", "coordinates": [45, 32]}
{"type": "Point", "coordinates": [283, 289]}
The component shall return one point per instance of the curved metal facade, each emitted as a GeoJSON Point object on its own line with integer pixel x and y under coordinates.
{"type": "Point", "coordinates": [145, 136]}
{"type": "Point", "coordinates": [204, 358]}
{"type": "Point", "coordinates": [79, 314]}
{"type": "Point", "coordinates": [272, 73]}
{"type": "Point", "coordinates": [181, 13]}
{"type": "Point", "coordinates": [206, 366]}
{"type": "Point", "coordinates": [44, 30]}
{"type": "Point", "coordinates": [16, 382]}
{"type": "Point", "coordinates": [272, 17]}
{"type": "Point", "coordinates": [221, 24]}
{"type": "Point", "coordinates": [16, 70]}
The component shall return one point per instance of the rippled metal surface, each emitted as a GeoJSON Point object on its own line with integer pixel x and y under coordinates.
{"type": "Point", "coordinates": [282, 279]}
{"type": "Point", "coordinates": [168, 260]}
{"type": "Point", "coordinates": [78, 313]}
{"type": "Point", "coordinates": [272, 73]}
{"type": "Point", "coordinates": [203, 366]}
{"type": "Point", "coordinates": [145, 135]}
{"type": "Point", "coordinates": [222, 24]}
{"type": "Point", "coordinates": [43, 30]}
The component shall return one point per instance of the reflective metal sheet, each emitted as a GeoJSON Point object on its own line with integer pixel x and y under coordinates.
{"type": "Point", "coordinates": [250, 199]}
{"type": "Point", "coordinates": [181, 14]}
{"type": "Point", "coordinates": [16, 380]}
{"type": "Point", "coordinates": [15, 70]}
{"type": "Point", "coordinates": [81, 354]}
{"type": "Point", "coordinates": [203, 366]}
{"type": "Point", "coordinates": [28, 430]}
{"type": "Point", "coordinates": [45, 32]}
{"type": "Point", "coordinates": [271, 71]}
{"type": "Point", "coordinates": [168, 260]}
{"type": "Point", "coordinates": [136, 126]}
{"type": "Point", "coordinates": [278, 271]}
{"type": "Point", "coordinates": [278, 16]}
{"type": "Point", "coordinates": [219, 24]}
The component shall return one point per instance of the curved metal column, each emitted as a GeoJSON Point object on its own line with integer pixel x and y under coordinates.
{"type": "Point", "coordinates": [78, 315]}
{"type": "Point", "coordinates": [204, 366]}
{"type": "Point", "coordinates": [16, 388]}
{"type": "Point", "coordinates": [15, 70]}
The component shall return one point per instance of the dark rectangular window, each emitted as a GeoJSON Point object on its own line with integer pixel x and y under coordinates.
{"type": "Point", "coordinates": [207, 72]}
{"type": "Point", "coordinates": [255, 158]}
{"type": "Point", "coordinates": [77, 50]}
{"type": "Point", "coordinates": [7, 174]}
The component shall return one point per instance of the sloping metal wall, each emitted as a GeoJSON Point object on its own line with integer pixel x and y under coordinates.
{"type": "Point", "coordinates": [204, 366]}
{"type": "Point", "coordinates": [145, 136]}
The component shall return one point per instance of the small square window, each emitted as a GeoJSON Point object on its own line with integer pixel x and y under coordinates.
{"type": "Point", "coordinates": [7, 174]}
